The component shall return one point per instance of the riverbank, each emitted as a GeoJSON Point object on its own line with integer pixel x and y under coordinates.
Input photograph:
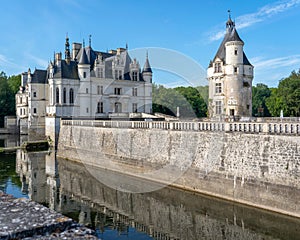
{"type": "Point", "coordinates": [25, 219]}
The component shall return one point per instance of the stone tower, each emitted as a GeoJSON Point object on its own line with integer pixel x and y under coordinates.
{"type": "Point", "coordinates": [230, 76]}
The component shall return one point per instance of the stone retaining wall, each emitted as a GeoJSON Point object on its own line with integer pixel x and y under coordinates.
{"type": "Point", "coordinates": [258, 169]}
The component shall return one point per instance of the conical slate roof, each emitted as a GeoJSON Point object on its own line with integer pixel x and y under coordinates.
{"type": "Point", "coordinates": [231, 35]}
{"type": "Point", "coordinates": [83, 58]}
{"type": "Point", "coordinates": [147, 67]}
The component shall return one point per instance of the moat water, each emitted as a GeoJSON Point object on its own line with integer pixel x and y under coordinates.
{"type": "Point", "coordinates": [168, 213]}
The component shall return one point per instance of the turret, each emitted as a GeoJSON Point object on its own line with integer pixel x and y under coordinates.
{"type": "Point", "coordinates": [147, 71]}
{"type": "Point", "coordinates": [83, 65]}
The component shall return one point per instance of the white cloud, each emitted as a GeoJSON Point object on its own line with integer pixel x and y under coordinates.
{"type": "Point", "coordinates": [261, 15]}
{"type": "Point", "coordinates": [275, 63]}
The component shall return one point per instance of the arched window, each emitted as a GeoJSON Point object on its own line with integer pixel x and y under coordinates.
{"type": "Point", "coordinates": [57, 95]}
{"type": "Point", "coordinates": [71, 96]}
{"type": "Point", "coordinates": [64, 95]}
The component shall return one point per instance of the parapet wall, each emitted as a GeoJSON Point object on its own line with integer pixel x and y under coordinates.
{"type": "Point", "coordinates": [258, 168]}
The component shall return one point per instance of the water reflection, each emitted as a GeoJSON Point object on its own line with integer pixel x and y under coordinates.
{"type": "Point", "coordinates": [168, 213]}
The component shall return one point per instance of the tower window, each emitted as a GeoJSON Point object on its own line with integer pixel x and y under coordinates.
{"type": "Point", "coordinates": [86, 90]}
{"type": "Point", "coordinates": [218, 87]}
{"type": "Point", "coordinates": [71, 95]}
{"type": "Point", "coordinates": [57, 95]}
{"type": "Point", "coordinates": [64, 95]}
{"type": "Point", "coordinates": [235, 70]}
{"type": "Point", "coordinates": [218, 67]}
{"type": "Point", "coordinates": [34, 110]}
{"type": "Point", "coordinates": [218, 107]}
{"type": "Point", "coordinates": [84, 74]}
{"type": "Point", "coordinates": [235, 52]}
{"type": "Point", "coordinates": [34, 94]}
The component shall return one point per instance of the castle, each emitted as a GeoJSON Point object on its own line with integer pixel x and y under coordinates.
{"type": "Point", "coordinates": [85, 84]}
{"type": "Point", "coordinates": [230, 76]}
{"type": "Point", "coordinates": [110, 85]}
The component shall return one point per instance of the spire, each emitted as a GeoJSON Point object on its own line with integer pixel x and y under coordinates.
{"type": "Point", "coordinates": [229, 24]}
{"type": "Point", "coordinates": [90, 40]}
{"type": "Point", "coordinates": [83, 58]}
{"type": "Point", "coordinates": [67, 49]}
{"type": "Point", "coordinates": [147, 67]}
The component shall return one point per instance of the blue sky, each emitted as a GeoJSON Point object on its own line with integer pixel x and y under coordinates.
{"type": "Point", "coordinates": [32, 30]}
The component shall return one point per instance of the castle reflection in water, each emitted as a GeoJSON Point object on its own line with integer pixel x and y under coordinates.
{"type": "Point", "coordinates": [168, 213]}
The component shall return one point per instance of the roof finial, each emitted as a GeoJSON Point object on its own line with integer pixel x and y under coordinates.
{"type": "Point", "coordinates": [126, 46]}
{"type": "Point", "coordinates": [229, 14]}
{"type": "Point", "coordinates": [83, 43]}
{"type": "Point", "coordinates": [90, 40]}
{"type": "Point", "coordinates": [147, 54]}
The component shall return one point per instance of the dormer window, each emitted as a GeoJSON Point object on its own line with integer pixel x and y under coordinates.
{"type": "Point", "coordinates": [218, 67]}
{"type": "Point", "coordinates": [134, 76]}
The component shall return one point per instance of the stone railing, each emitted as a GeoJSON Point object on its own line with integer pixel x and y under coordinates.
{"type": "Point", "coordinates": [245, 127]}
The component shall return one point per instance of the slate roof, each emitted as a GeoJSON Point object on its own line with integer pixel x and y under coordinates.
{"type": "Point", "coordinates": [147, 67]}
{"type": "Point", "coordinates": [231, 35]}
{"type": "Point", "coordinates": [65, 70]}
{"type": "Point", "coordinates": [83, 58]}
{"type": "Point", "coordinates": [39, 76]}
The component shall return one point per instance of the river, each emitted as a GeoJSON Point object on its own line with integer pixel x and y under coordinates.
{"type": "Point", "coordinates": [168, 213]}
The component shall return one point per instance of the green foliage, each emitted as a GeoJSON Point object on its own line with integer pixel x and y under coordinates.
{"type": "Point", "coordinates": [260, 93]}
{"type": "Point", "coordinates": [8, 88]}
{"type": "Point", "coordinates": [188, 99]}
{"type": "Point", "coordinates": [286, 97]}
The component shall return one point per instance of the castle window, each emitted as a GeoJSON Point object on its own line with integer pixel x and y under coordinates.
{"type": "Point", "coordinates": [134, 92]}
{"type": "Point", "coordinates": [57, 95]}
{"type": "Point", "coordinates": [218, 67]}
{"type": "Point", "coordinates": [235, 51]}
{"type": "Point", "coordinates": [99, 90]}
{"type": "Point", "coordinates": [86, 90]}
{"type": "Point", "coordinates": [134, 76]}
{"type": "Point", "coordinates": [71, 96]}
{"type": "Point", "coordinates": [100, 72]}
{"type": "Point", "coordinates": [34, 110]}
{"type": "Point", "coordinates": [218, 107]}
{"type": "Point", "coordinates": [246, 84]}
{"type": "Point", "coordinates": [134, 107]}
{"type": "Point", "coordinates": [118, 107]}
{"type": "Point", "coordinates": [87, 110]}
{"type": "Point", "coordinates": [118, 91]}
{"type": "Point", "coordinates": [218, 87]}
{"type": "Point", "coordinates": [64, 95]}
{"type": "Point", "coordinates": [235, 70]}
{"type": "Point", "coordinates": [20, 100]}
{"type": "Point", "coordinates": [84, 74]}
{"type": "Point", "coordinates": [34, 94]}
{"type": "Point", "coordinates": [100, 107]}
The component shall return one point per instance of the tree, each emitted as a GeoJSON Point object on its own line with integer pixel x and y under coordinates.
{"type": "Point", "coordinates": [286, 97]}
{"type": "Point", "coordinates": [8, 89]}
{"type": "Point", "coordinates": [260, 93]}
{"type": "Point", "coordinates": [188, 99]}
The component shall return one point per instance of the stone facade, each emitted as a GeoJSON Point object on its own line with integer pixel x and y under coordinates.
{"type": "Point", "coordinates": [230, 76]}
{"type": "Point", "coordinates": [85, 84]}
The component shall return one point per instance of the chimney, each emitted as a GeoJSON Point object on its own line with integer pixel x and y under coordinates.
{"type": "Point", "coordinates": [75, 49]}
